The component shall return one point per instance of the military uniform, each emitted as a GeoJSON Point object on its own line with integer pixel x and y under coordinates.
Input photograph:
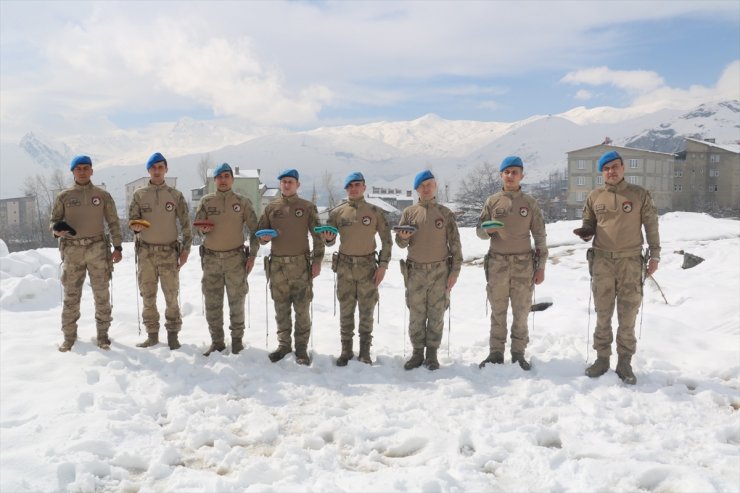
{"type": "Point", "coordinates": [289, 266]}
{"type": "Point", "coordinates": [616, 213]}
{"type": "Point", "coordinates": [87, 209]}
{"type": "Point", "coordinates": [158, 250]}
{"type": "Point", "coordinates": [510, 264]}
{"type": "Point", "coordinates": [434, 254]}
{"type": "Point", "coordinates": [223, 260]}
{"type": "Point", "coordinates": [358, 222]}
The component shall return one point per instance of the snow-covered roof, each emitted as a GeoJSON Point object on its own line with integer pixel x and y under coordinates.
{"type": "Point", "coordinates": [377, 202]}
{"type": "Point", "coordinates": [240, 173]}
{"type": "Point", "coordinates": [621, 147]}
{"type": "Point", "coordinates": [735, 148]}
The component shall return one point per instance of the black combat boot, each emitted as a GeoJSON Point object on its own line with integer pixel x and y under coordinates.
{"type": "Point", "coordinates": [66, 345]}
{"type": "Point", "coordinates": [152, 339]}
{"type": "Point", "coordinates": [417, 358]}
{"type": "Point", "coordinates": [347, 353]}
{"type": "Point", "coordinates": [279, 353]}
{"type": "Point", "coordinates": [364, 356]}
{"type": "Point", "coordinates": [236, 345]}
{"type": "Point", "coordinates": [431, 361]}
{"type": "Point", "coordinates": [519, 358]}
{"type": "Point", "coordinates": [600, 366]}
{"type": "Point", "coordinates": [172, 340]}
{"type": "Point", "coordinates": [624, 369]}
{"type": "Point", "coordinates": [301, 356]}
{"type": "Point", "coordinates": [494, 357]}
{"type": "Point", "coordinates": [215, 346]}
{"type": "Point", "coordinates": [103, 340]}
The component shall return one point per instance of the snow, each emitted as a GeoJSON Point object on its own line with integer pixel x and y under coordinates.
{"type": "Point", "coordinates": [154, 420]}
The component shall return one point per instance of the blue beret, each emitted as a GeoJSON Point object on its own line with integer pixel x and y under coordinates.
{"type": "Point", "coordinates": [223, 167]}
{"type": "Point", "coordinates": [355, 176]}
{"type": "Point", "coordinates": [421, 177]}
{"type": "Point", "coordinates": [288, 173]}
{"type": "Point", "coordinates": [608, 157]}
{"type": "Point", "coordinates": [511, 161]}
{"type": "Point", "coordinates": [155, 158]}
{"type": "Point", "coordinates": [79, 160]}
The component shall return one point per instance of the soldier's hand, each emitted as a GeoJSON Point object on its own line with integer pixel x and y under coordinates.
{"type": "Point", "coordinates": [264, 239]}
{"type": "Point", "coordinates": [205, 229]}
{"type": "Point", "coordinates": [250, 264]}
{"type": "Point", "coordinates": [62, 234]}
{"type": "Point", "coordinates": [652, 267]}
{"type": "Point", "coordinates": [136, 228]}
{"type": "Point", "coordinates": [451, 282]}
{"type": "Point", "coordinates": [379, 275]}
{"type": "Point", "coordinates": [315, 269]}
{"type": "Point", "coordinates": [328, 236]}
{"type": "Point", "coordinates": [405, 235]}
{"type": "Point", "coordinates": [539, 276]}
{"type": "Point", "coordinates": [116, 256]}
{"type": "Point", "coordinates": [584, 233]}
{"type": "Point", "coordinates": [182, 259]}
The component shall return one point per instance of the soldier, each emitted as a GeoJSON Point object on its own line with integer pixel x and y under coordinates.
{"type": "Point", "coordinates": [291, 266]}
{"type": "Point", "coordinates": [431, 269]}
{"type": "Point", "coordinates": [225, 260]}
{"type": "Point", "coordinates": [511, 267]}
{"type": "Point", "coordinates": [359, 273]}
{"type": "Point", "coordinates": [614, 216]}
{"type": "Point", "coordinates": [159, 253]}
{"type": "Point", "coordinates": [78, 219]}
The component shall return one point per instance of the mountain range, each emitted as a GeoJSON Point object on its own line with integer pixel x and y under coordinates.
{"type": "Point", "coordinates": [388, 153]}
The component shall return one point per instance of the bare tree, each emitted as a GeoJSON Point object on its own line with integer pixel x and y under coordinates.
{"type": "Point", "coordinates": [482, 182]}
{"type": "Point", "coordinates": [327, 181]}
{"type": "Point", "coordinates": [203, 165]}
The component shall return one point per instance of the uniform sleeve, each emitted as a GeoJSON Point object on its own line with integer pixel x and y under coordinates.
{"type": "Point", "coordinates": [485, 215]}
{"type": "Point", "coordinates": [250, 218]}
{"type": "Point", "coordinates": [386, 242]}
{"type": "Point", "coordinates": [111, 217]}
{"type": "Point", "coordinates": [537, 227]}
{"type": "Point", "coordinates": [650, 221]}
{"type": "Point", "coordinates": [57, 212]}
{"type": "Point", "coordinates": [403, 222]}
{"type": "Point", "coordinates": [589, 218]}
{"type": "Point", "coordinates": [453, 244]}
{"type": "Point", "coordinates": [264, 221]}
{"type": "Point", "coordinates": [183, 216]}
{"type": "Point", "coordinates": [318, 243]}
{"type": "Point", "coordinates": [200, 212]}
{"type": "Point", "coordinates": [134, 209]}
{"type": "Point", "coordinates": [332, 221]}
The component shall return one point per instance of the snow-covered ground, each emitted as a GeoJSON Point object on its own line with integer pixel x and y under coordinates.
{"type": "Point", "coordinates": [158, 420]}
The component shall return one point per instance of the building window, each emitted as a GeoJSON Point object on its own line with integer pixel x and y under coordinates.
{"type": "Point", "coordinates": [713, 188]}
{"type": "Point", "coordinates": [633, 179]}
{"type": "Point", "coordinates": [580, 180]}
{"type": "Point", "coordinates": [580, 196]}
{"type": "Point", "coordinates": [714, 173]}
{"type": "Point", "coordinates": [634, 163]}
{"type": "Point", "coordinates": [678, 173]}
{"type": "Point", "coordinates": [581, 164]}
{"type": "Point", "coordinates": [678, 188]}
{"type": "Point", "coordinates": [714, 158]}
{"type": "Point", "coordinates": [599, 180]}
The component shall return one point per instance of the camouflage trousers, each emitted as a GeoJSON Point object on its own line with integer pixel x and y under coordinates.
{"type": "Point", "coordinates": [427, 299]}
{"type": "Point", "coordinates": [80, 257]}
{"type": "Point", "coordinates": [617, 279]}
{"type": "Point", "coordinates": [224, 270]}
{"type": "Point", "coordinates": [158, 264]}
{"type": "Point", "coordinates": [509, 277]}
{"type": "Point", "coordinates": [355, 287]}
{"type": "Point", "coordinates": [291, 286]}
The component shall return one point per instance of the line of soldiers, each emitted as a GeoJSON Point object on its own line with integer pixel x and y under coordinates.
{"type": "Point", "coordinates": [613, 217]}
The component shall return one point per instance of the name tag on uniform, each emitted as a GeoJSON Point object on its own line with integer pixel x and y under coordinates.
{"type": "Point", "coordinates": [345, 222]}
{"type": "Point", "coordinates": [600, 208]}
{"type": "Point", "coordinates": [212, 210]}
{"type": "Point", "coordinates": [72, 203]}
{"type": "Point", "coordinates": [146, 208]}
{"type": "Point", "coordinates": [499, 212]}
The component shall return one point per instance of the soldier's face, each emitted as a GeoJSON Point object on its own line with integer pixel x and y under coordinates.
{"type": "Point", "coordinates": [428, 189]}
{"type": "Point", "coordinates": [157, 172]}
{"type": "Point", "coordinates": [511, 177]}
{"type": "Point", "coordinates": [613, 172]}
{"type": "Point", "coordinates": [355, 189]}
{"type": "Point", "coordinates": [289, 186]}
{"type": "Point", "coordinates": [82, 173]}
{"type": "Point", "coordinates": [224, 181]}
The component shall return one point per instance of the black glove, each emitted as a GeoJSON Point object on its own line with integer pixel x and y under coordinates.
{"type": "Point", "coordinates": [60, 226]}
{"type": "Point", "coordinates": [584, 233]}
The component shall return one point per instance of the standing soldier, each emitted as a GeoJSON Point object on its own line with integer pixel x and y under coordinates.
{"type": "Point", "coordinates": [153, 215]}
{"type": "Point", "coordinates": [78, 219]}
{"type": "Point", "coordinates": [359, 273]}
{"type": "Point", "coordinates": [431, 269]}
{"type": "Point", "coordinates": [291, 266]}
{"type": "Point", "coordinates": [225, 260]}
{"type": "Point", "coordinates": [511, 267]}
{"type": "Point", "coordinates": [614, 216]}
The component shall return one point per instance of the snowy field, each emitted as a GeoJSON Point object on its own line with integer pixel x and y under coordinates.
{"type": "Point", "coordinates": [137, 420]}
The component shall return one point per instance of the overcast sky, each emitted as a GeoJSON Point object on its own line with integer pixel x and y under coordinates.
{"type": "Point", "coordinates": [77, 67]}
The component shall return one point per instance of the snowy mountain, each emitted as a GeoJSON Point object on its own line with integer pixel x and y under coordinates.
{"type": "Point", "coordinates": [389, 153]}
